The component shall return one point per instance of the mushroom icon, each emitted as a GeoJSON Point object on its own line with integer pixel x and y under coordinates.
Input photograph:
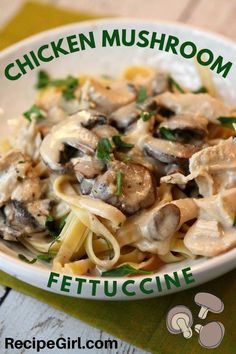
{"type": "Point", "coordinates": [208, 302]}
{"type": "Point", "coordinates": [210, 335]}
{"type": "Point", "coordinates": [179, 320]}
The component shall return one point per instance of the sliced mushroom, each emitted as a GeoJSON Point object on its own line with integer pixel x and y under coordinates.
{"type": "Point", "coordinates": [160, 83]}
{"type": "Point", "coordinates": [164, 222]}
{"type": "Point", "coordinates": [152, 230]}
{"type": "Point", "coordinates": [87, 166]}
{"type": "Point", "coordinates": [108, 99]}
{"type": "Point", "coordinates": [138, 130]}
{"type": "Point", "coordinates": [105, 131]}
{"type": "Point", "coordinates": [158, 225]}
{"type": "Point", "coordinates": [7, 232]}
{"type": "Point", "coordinates": [202, 104]}
{"type": "Point", "coordinates": [65, 139]}
{"type": "Point", "coordinates": [126, 115]}
{"type": "Point", "coordinates": [86, 185]}
{"type": "Point", "coordinates": [186, 126]}
{"type": "Point", "coordinates": [155, 82]}
{"type": "Point", "coordinates": [92, 118]}
{"type": "Point", "coordinates": [168, 151]}
{"type": "Point", "coordinates": [137, 187]}
{"type": "Point", "coordinates": [27, 218]}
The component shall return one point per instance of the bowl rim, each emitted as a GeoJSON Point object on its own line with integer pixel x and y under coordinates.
{"type": "Point", "coordinates": [207, 264]}
{"type": "Point", "coordinates": [198, 268]}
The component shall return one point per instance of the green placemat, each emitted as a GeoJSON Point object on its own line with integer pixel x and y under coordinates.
{"type": "Point", "coordinates": [141, 323]}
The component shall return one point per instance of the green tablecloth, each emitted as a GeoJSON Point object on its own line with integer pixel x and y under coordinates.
{"type": "Point", "coordinates": [141, 323]}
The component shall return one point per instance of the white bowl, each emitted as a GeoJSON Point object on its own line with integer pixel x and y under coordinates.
{"type": "Point", "coordinates": [17, 96]}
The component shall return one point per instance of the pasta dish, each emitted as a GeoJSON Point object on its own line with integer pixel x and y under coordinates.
{"type": "Point", "coordinates": [118, 176]}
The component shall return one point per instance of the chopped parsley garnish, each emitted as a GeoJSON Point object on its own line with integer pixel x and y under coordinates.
{"type": "Point", "coordinates": [174, 84]}
{"type": "Point", "coordinates": [62, 222]}
{"type": "Point", "coordinates": [109, 246]}
{"type": "Point", "coordinates": [142, 94]}
{"type": "Point", "coordinates": [234, 223]}
{"type": "Point", "coordinates": [167, 134]}
{"type": "Point", "coordinates": [145, 116]}
{"type": "Point", "coordinates": [26, 260]}
{"type": "Point", "coordinates": [127, 158]}
{"type": "Point", "coordinates": [54, 230]}
{"type": "Point", "coordinates": [46, 257]}
{"type": "Point", "coordinates": [34, 112]}
{"type": "Point", "coordinates": [104, 149]}
{"type": "Point", "coordinates": [120, 143]}
{"type": "Point", "coordinates": [52, 227]}
{"type": "Point", "coordinates": [123, 270]}
{"type": "Point", "coordinates": [43, 79]}
{"type": "Point", "coordinates": [21, 161]}
{"type": "Point", "coordinates": [119, 177]}
{"type": "Point", "coordinates": [106, 77]}
{"type": "Point", "coordinates": [69, 84]}
{"type": "Point", "coordinates": [227, 122]}
{"type": "Point", "coordinates": [201, 89]}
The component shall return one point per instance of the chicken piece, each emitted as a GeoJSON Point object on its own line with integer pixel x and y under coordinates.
{"type": "Point", "coordinates": [137, 187]}
{"type": "Point", "coordinates": [14, 167]}
{"type": "Point", "coordinates": [108, 99]}
{"type": "Point", "coordinates": [25, 136]}
{"type": "Point", "coordinates": [213, 168]}
{"type": "Point", "coordinates": [202, 104]}
{"type": "Point", "coordinates": [220, 207]}
{"type": "Point", "coordinates": [48, 98]}
{"type": "Point", "coordinates": [207, 238]}
{"type": "Point", "coordinates": [214, 231]}
{"type": "Point", "coordinates": [29, 189]}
